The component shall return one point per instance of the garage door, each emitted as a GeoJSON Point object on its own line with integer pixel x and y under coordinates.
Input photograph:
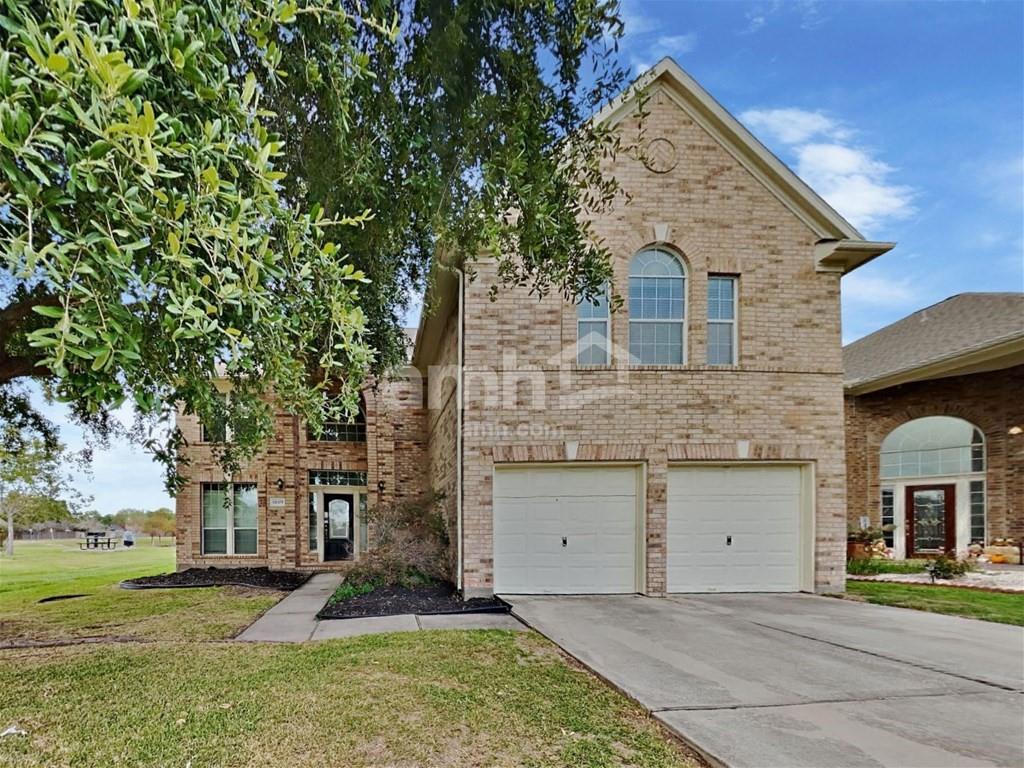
{"type": "Point", "coordinates": [565, 530]}
{"type": "Point", "coordinates": [734, 529]}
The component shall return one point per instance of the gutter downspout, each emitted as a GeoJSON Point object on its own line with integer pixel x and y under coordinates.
{"type": "Point", "coordinates": [458, 434]}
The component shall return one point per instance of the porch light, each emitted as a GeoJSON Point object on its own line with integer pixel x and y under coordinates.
{"type": "Point", "coordinates": [1016, 430]}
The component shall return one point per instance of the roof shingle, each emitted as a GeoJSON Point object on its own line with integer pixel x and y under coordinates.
{"type": "Point", "coordinates": [962, 323]}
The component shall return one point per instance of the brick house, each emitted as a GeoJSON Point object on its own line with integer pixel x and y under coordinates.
{"type": "Point", "coordinates": [935, 425]}
{"type": "Point", "coordinates": [690, 441]}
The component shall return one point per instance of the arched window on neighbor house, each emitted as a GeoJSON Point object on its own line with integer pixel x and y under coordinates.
{"type": "Point", "coordinates": [657, 308]}
{"type": "Point", "coordinates": [932, 474]}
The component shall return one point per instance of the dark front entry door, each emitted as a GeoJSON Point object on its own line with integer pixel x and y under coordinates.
{"type": "Point", "coordinates": [931, 519]}
{"type": "Point", "coordinates": [338, 523]}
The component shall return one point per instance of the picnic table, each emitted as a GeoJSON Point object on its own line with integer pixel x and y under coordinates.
{"type": "Point", "coordinates": [98, 541]}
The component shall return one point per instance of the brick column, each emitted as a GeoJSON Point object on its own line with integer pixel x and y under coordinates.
{"type": "Point", "coordinates": [657, 515]}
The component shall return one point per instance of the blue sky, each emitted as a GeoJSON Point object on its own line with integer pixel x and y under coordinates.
{"type": "Point", "coordinates": [907, 117]}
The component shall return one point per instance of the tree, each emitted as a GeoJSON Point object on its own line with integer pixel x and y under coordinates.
{"type": "Point", "coordinates": [167, 193]}
{"type": "Point", "coordinates": [159, 523]}
{"type": "Point", "coordinates": [32, 482]}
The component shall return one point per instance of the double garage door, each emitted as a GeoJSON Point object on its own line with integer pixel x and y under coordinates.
{"type": "Point", "coordinates": [579, 529]}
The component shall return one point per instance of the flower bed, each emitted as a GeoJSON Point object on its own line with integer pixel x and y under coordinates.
{"type": "Point", "coordinates": [422, 599]}
{"type": "Point", "coordinates": [260, 578]}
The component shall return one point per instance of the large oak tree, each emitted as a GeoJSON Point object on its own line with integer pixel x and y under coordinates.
{"type": "Point", "coordinates": [191, 188]}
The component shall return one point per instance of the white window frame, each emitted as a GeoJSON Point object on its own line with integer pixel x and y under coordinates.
{"type": "Point", "coordinates": [229, 528]}
{"type": "Point", "coordinates": [734, 322]}
{"type": "Point", "coordinates": [683, 321]}
{"type": "Point", "coordinates": [607, 330]}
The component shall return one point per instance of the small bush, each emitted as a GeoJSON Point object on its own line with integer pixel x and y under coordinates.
{"type": "Point", "coordinates": [948, 567]}
{"type": "Point", "coordinates": [874, 566]}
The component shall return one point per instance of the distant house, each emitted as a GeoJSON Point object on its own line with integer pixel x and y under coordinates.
{"type": "Point", "coordinates": [690, 442]}
{"type": "Point", "coordinates": [935, 425]}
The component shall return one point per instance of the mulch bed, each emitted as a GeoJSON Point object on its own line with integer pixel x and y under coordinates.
{"type": "Point", "coordinates": [259, 578]}
{"type": "Point", "coordinates": [394, 600]}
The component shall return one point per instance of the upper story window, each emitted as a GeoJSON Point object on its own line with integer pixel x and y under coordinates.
{"type": "Point", "coordinates": [657, 308]}
{"type": "Point", "coordinates": [721, 320]}
{"type": "Point", "coordinates": [592, 323]}
{"type": "Point", "coordinates": [353, 431]}
{"type": "Point", "coordinates": [217, 431]}
{"type": "Point", "coordinates": [933, 446]}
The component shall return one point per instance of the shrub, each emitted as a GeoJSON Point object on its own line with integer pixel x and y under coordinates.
{"type": "Point", "coordinates": [874, 566]}
{"type": "Point", "coordinates": [948, 567]}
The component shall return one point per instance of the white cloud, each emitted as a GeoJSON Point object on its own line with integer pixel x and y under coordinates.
{"type": "Point", "coordinates": [877, 290]}
{"type": "Point", "coordinates": [677, 45]}
{"type": "Point", "coordinates": [849, 177]}
{"type": "Point", "coordinates": [792, 126]}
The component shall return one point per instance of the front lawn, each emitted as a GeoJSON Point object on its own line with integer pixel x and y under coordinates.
{"type": "Point", "coordinates": [478, 698]}
{"type": "Point", "coordinates": [48, 569]}
{"type": "Point", "coordinates": [971, 603]}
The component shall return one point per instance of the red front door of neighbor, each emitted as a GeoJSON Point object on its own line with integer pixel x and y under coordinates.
{"type": "Point", "coordinates": [931, 519]}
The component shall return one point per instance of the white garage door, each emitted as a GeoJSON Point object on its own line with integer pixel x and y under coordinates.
{"type": "Point", "coordinates": [734, 529]}
{"type": "Point", "coordinates": [565, 530]}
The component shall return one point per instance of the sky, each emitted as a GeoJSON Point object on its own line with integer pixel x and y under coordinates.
{"type": "Point", "coordinates": [907, 117]}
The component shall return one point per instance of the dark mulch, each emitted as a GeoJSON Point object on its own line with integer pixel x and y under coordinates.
{"type": "Point", "coordinates": [393, 600]}
{"type": "Point", "coordinates": [261, 578]}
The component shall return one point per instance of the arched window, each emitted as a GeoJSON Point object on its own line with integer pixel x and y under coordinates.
{"type": "Point", "coordinates": [657, 308]}
{"type": "Point", "coordinates": [933, 446]}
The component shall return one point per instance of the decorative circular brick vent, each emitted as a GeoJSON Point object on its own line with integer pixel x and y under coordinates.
{"type": "Point", "coordinates": [660, 156]}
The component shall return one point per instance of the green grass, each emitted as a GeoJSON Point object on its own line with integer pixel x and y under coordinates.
{"type": "Point", "coordinates": [971, 603]}
{"type": "Point", "coordinates": [420, 698]}
{"type": "Point", "coordinates": [45, 569]}
{"type": "Point", "coordinates": [863, 566]}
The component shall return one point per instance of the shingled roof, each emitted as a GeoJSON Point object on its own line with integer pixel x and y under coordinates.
{"type": "Point", "coordinates": [987, 328]}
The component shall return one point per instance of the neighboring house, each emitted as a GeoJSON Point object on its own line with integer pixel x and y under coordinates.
{"type": "Point", "coordinates": [690, 442]}
{"type": "Point", "coordinates": [935, 425]}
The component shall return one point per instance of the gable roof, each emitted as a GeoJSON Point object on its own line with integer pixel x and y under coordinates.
{"type": "Point", "coordinates": [966, 333]}
{"type": "Point", "coordinates": [840, 247]}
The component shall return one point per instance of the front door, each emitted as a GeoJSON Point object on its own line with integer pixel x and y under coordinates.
{"type": "Point", "coordinates": [931, 519]}
{"type": "Point", "coordinates": [338, 523]}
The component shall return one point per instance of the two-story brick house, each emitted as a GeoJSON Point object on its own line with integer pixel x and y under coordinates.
{"type": "Point", "coordinates": [690, 441]}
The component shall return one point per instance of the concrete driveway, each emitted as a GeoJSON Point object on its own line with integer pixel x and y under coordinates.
{"type": "Point", "coordinates": [800, 680]}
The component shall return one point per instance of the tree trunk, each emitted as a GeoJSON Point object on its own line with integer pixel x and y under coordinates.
{"type": "Point", "coordinates": [10, 532]}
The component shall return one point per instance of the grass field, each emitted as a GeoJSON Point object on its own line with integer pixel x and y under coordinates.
{"type": "Point", "coordinates": [47, 569]}
{"type": "Point", "coordinates": [971, 603]}
{"type": "Point", "coordinates": [182, 698]}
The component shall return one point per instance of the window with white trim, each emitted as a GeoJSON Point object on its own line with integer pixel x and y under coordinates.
{"type": "Point", "coordinates": [888, 517]}
{"type": "Point", "coordinates": [721, 320]}
{"type": "Point", "coordinates": [657, 309]}
{"type": "Point", "coordinates": [933, 446]}
{"type": "Point", "coordinates": [977, 489]}
{"type": "Point", "coordinates": [230, 523]}
{"type": "Point", "coordinates": [592, 330]}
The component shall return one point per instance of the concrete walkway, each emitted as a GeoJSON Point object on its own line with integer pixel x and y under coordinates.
{"type": "Point", "coordinates": [293, 620]}
{"type": "Point", "coordinates": [800, 680]}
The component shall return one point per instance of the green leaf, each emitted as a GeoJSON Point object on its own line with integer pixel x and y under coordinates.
{"type": "Point", "coordinates": [48, 311]}
{"type": "Point", "coordinates": [57, 62]}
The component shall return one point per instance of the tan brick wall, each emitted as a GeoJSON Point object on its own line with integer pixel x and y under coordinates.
{"type": "Point", "coordinates": [393, 454]}
{"type": "Point", "coordinates": [442, 429]}
{"type": "Point", "coordinates": [991, 401]}
{"type": "Point", "coordinates": [784, 397]}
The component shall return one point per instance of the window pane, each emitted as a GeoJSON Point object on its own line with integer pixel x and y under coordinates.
{"type": "Point", "coordinates": [215, 542]}
{"type": "Point", "coordinates": [656, 343]}
{"type": "Point", "coordinates": [594, 308]}
{"type": "Point", "coordinates": [933, 445]}
{"type": "Point", "coordinates": [215, 513]}
{"type": "Point", "coordinates": [363, 524]}
{"type": "Point", "coordinates": [592, 346]}
{"type": "Point", "coordinates": [311, 519]}
{"type": "Point", "coordinates": [721, 300]}
{"type": "Point", "coordinates": [720, 350]}
{"type": "Point", "coordinates": [888, 515]}
{"type": "Point", "coordinates": [656, 298]}
{"type": "Point", "coordinates": [245, 506]}
{"type": "Point", "coordinates": [336, 477]}
{"type": "Point", "coordinates": [978, 511]}
{"type": "Point", "coordinates": [245, 541]}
